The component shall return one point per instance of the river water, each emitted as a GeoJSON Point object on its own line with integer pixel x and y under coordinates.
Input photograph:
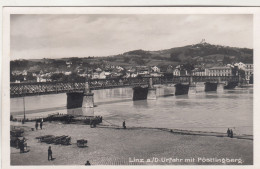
{"type": "Point", "coordinates": [211, 111]}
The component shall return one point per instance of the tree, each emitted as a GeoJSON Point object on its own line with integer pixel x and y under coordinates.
{"type": "Point", "coordinates": [30, 77]}
{"type": "Point", "coordinates": [127, 59]}
{"type": "Point", "coordinates": [175, 56]}
{"type": "Point", "coordinates": [57, 77]}
{"type": "Point", "coordinates": [139, 61]}
{"type": "Point", "coordinates": [235, 71]}
{"type": "Point", "coordinates": [188, 66]}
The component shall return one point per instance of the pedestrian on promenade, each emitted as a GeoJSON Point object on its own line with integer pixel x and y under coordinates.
{"type": "Point", "coordinates": [49, 154]}
{"type": "Point", "coordinates": [36, 125]}
{"type": "Point", "coordinates": [87, 163]}
{"type": "Point", "coordinates": [90, 123]}
{"type": "Point", "coordinates": [228, 132]}
{"type": "Point", "coordinates": [41, 125]}
{"type": "Point", "coordinates": [231, 133]}
{"type": "Point", "coordinates": [21, 145]}
{"type": "Point", "coordinates": [124, 126]}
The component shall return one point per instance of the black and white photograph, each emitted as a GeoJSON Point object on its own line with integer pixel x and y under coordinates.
{"type": "Point", "coordinates": [131, 86]}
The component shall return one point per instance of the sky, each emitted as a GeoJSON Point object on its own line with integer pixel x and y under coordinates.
{"type": "Point", "coordinates": [37, 36]}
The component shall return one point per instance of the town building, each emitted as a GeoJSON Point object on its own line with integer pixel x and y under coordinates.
{"type": "Point", "coordinates": [155, 69]}
{"type": "Point", "coordinates": [176, 72]}
{"type": "Point", "coordinates": [68, 73]}
{"type": "Point", "coordinates": [41, 78]}
{"type": "Point", "coordinates": [219, 71]}
{"type": "Point", "coordinates": [249, 70]}
{"type": "Point", "coordinates": [240, 65]}
{"type": "Point", "coordinates": [169, 69]}
{"type": "Point", "coordinates": [68, 63]}
{"type": "Point", "coordinates": [99, 75]}
{"type": "Point", "coordinates": [198, 72]}
{"type": "Point", "coordinates": [179, 72]}
{"type": "Point", "coordinates": [156, 74]}
{"type": "Point", "coordinates": [142, 70]}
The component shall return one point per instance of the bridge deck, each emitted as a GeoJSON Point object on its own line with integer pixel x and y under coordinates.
{"type": "Point", "coordinates": [41, 88]}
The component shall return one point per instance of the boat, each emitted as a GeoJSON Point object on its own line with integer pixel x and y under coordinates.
{"type": "Point", "coordinates": [181, 89]}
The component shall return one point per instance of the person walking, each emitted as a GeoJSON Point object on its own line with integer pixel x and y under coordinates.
{"type": "Point", "coordinates": [36, 125]}
{"type": "Point", "coordinates": [49, 154]}
{"type": "Point", "coordinates": [124, 126]}
{"type": "Point", "coordinates": [228, 132]}
{"type": "Point", "coordinates": [41, 125]}
{"type": "Point", "coordinates": [87, 163]}
{"type": "Point", "coordinates": [231, 133]}
{"type": "Point", "coordinates": [21, 145]}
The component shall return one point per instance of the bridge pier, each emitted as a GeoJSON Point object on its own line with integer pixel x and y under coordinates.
{"type": "Point", "coordinates": [220, 87]}
{"type": "Point", "coordinates": [80, 103]}
{"type": "Point", "coordinates": [200, 87]}
{"type": "Point", "coordinates": [151, 95]}
{"type": "Point", "coordinates": [88, 99]}
{"type": "Point", "coordinates": [209, 86]}
{"type": "Point", "coordinates": [192, 89]}
{"type": "Point", "coordinates": [181, 89]}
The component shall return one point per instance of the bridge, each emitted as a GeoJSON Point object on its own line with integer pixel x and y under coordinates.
{"type": "Point", "coordinates": [41, 88]}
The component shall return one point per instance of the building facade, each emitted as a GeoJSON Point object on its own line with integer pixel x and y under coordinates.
{"type": "Point", "coordinates": [249, 70]}
{"type": "Point", "coordinates": [219, 71]}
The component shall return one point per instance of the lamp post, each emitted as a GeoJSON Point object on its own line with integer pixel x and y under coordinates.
{"type": "Point", "coordinates": [23, 121]}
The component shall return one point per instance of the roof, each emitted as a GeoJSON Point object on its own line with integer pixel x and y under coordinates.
{"type": "Point", "coordinates": [220, 68]}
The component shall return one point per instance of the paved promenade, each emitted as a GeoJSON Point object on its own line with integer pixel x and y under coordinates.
{"type": "Point", "coordinates": [110, 145]}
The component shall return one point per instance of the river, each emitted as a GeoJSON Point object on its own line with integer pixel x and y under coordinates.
{"type": "Point", "coordinates": [211, 111]}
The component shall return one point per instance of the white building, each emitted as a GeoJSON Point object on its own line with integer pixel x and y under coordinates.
{"type": "Point", "coordinates": [99, 75]}
{"type": "Point", "coordinates": [199, 73]}
{"type": "Point", "coordinates": [155, 69]}
{"type": "Point", "coordinates": [176, 72]}
{"type": "Point", "coordinates": [67, 73]}
{"type": "Point", "coordinates": [119, 68]}
{"type": "Point", "coordinates": [219, 71]}
{"type": "Point", "coordinates": [240, 65]}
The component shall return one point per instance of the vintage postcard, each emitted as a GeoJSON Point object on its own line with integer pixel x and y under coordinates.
{"type": "Point", "coordinates": [149, 86]}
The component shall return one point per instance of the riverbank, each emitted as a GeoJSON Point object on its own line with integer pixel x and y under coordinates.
{"type": "Point", "coordinates": [111, 145]}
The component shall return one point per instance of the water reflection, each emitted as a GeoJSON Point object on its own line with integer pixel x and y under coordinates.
{"type": "Point", "coordinates": [140, 104]}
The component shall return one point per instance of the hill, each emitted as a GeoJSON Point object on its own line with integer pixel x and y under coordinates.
{"type": "Point", "coordinates": [204, 54]}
